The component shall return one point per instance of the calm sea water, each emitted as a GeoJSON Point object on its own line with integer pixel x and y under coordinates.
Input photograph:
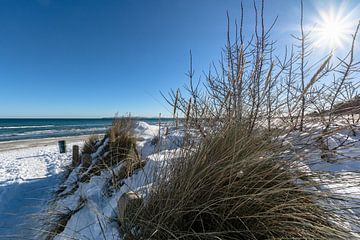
{"type": "Point", "coordinates": [20, 129]}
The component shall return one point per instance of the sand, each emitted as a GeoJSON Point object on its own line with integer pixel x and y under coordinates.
{"type": "Point", "coordinates": [21, 144]}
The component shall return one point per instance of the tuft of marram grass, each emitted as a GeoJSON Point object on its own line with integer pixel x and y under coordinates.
{"type": "Point", "coordinates": [119, 149]}
{"type": "Point", "coordinates": [233, 186]}
{"type": "Point", "coordinates": [90, 145]}
{"type": "Point", "coordinates": [122, 139]}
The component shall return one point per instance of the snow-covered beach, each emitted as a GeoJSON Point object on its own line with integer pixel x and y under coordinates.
{"type": "Point", "coordinates": [133, 120]}
{"type": "Point", "coordinates": [29, 172]}
{"type": "Point", "coordinates": [32, 170]}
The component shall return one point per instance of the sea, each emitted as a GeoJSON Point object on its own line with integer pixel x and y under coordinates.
{"type": "Point", "coordinates": [23, 129]}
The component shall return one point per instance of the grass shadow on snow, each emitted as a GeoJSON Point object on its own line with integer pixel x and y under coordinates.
{"type": "Point", "coordinates": [21, 206]}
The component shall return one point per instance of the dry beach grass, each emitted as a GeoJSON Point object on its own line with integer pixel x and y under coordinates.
{"type": "Point", "coordinates": [238, 176]}
{"type": "Point", "coordinates": [234, 187]}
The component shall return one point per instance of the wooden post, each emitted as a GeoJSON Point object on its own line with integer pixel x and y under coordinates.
{"type": "Point", "coordinates": [62, 146]}
{"type": "Point", "coordinates": [75, 155]}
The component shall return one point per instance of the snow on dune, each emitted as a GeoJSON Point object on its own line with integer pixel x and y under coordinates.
{"type": "Point", "coordinates": [96, 217]}
{"type": "Point", "coordinates": [337, 155]}
{"type": "Point", "coordinates": [27, 177]}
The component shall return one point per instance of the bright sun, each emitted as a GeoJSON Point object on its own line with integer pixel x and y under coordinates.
{"type": "Point", "coordinates": [332, 29]}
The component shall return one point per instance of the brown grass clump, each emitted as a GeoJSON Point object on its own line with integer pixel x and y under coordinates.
{"type": "Point", "coordinates": [90, 144]}
{"type": "Point", "coordinates": [233, 186]}
{"type": "Point", "coordinates": [120, 149]}
{"type": "Point", "coordinates": [122, 139]}
{"type": "Point", "coordinates": [58, 225]}
{"type": "Point", "coordinates": [59, 221]}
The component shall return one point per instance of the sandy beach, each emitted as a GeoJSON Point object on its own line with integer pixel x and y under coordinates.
{"type": "Point", "coordinates": [23, 144]}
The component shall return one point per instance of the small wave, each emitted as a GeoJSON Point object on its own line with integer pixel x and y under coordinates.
{"type": "Point", "coordinates": [77, 130]}
{"type": "Point", "coordinates": [36, 126]}
{"type": "Point", "coordinates": [54, 131]}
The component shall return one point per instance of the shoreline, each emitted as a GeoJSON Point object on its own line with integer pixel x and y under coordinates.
{"type": "Point", "coordinates": [28, 143]}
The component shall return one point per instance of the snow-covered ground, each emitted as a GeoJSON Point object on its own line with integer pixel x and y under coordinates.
{"type": "Point", "coordinates": [95, 218]}
{"type": "Point", "coordinates": [92, 205]}
{"type": "Point", "coordinates": [27, 178]}
{"type": "Point", "coordinates": [337, 153]}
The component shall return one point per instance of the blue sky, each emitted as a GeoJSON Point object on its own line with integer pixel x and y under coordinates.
{"type": "Point", "coordinates": [93, 58]}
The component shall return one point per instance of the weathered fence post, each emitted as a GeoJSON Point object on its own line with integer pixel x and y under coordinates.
{"type": "Point", "coordinates": [62, 146]}
{"type": "Point", "coordinates": [75, 155]}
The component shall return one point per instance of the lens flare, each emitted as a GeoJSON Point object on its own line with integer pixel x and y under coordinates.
{"type": "Point", "coordinates": [333, 29]}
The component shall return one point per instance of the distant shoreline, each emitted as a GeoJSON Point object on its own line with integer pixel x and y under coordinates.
{"type": "Point", "coordinates": [28, 129]}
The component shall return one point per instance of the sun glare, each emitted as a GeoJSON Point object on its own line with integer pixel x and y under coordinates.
{"type": "Point", "coordinates": [333, 29]}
